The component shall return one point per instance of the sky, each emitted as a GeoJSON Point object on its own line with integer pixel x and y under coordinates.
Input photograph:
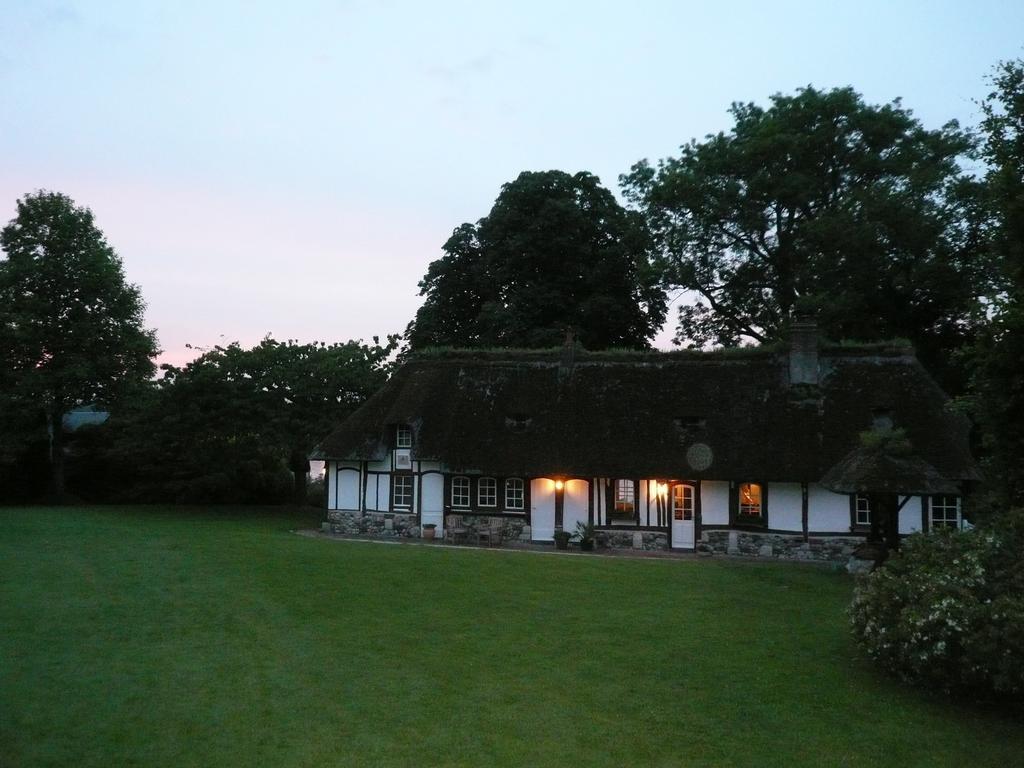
{"type": "Point", "coordinates": [292, 168]}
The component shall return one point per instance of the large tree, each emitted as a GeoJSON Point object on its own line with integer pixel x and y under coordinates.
{"type": "Point", "coordinates": [818, 203]}
{"type": "Point", "coordinates": [997, 384]}
{"type": "Point", "coordinates": [230, 425]}
{"type": "Point", "coordinates": [556, 251]}
{"type": "Point", "coordinates": [71, 326]}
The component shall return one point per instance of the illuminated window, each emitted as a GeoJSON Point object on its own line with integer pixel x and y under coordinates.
{"type": "Point", "coordinates": [403, 436]}
{"type": "Point", "coordinates": [625, 497]}
{"type": "Point", "coordinates": [487, 492]}
{"type": "Point", "coordinates": [682, 502]}
{"type": "Point", "coordinates": [750, 500]}
{"type": "Point", "coordinates": [862, 511]}
{"type": "Point", "coordinates": [945, 511]}
{"type": "Point", "coordinates": [515, 493]}
{"type": "Point", "coordinates": [401, 491]}
{"type": "Point", "coordinates": [460, 491]}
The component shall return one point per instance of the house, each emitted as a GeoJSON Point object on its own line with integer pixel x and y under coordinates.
{"type": "Point", "coordinates": [719, 451]}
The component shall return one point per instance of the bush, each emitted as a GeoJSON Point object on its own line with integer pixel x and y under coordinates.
{"type": "Point", "coordinates": [315, 493]}
{"type": "Point", "coordinates": [948, 610]}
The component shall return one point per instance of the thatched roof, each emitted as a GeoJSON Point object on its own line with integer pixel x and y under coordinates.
{"type": "Point", "coordinates": [873, 470]}
{"type": "Point", "coordinates": [724, 415]}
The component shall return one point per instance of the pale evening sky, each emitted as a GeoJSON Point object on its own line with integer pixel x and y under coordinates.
{"type": "Point", "coordinates": [292, 168]}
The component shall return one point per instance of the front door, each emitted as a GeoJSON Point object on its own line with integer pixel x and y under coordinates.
{"type": "Point", "coordinates": [682, 517]}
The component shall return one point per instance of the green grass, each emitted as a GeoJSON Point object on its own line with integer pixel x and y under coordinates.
{"type": "Point", "coordinates": [171, 637]}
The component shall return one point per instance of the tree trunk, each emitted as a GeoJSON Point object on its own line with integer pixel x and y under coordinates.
{"type": "Point", "coordinates": [56, 492]}
{"type": "Point", "coordinates": [300, 470]}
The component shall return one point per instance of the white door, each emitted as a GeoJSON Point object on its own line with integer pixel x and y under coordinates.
{"type": "Point", "coordinates": [682, 517]}
{"type": "Point", "coordinates": [542, 509]}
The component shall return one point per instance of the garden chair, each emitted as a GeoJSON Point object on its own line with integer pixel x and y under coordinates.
{"type": "Point", "coordinates": [455, 530]}
{"type": "Point", "coordinates": [490, 533]}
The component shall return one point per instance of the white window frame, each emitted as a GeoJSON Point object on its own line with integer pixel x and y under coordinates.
{"type": "Point", "coordinates": [946, 521]}
{"type": "Point", "coordinates": [403, 436]}
{"type": "Point", "coordinates": [459, 492]}
{"type": "Point", "coordinates": [861, 510]}
{"type": "Point", "coordinates": [628, 496]}
{"type": "Point", "coordinates": [515, 493]}
{"type": "Point", "coordinates": [683, 502]}
{"type": "Point", "coordinates": [740, 506]}
{"type": "Point", "coordinates": [407, 492]}
{"type": "Point", "coordinates": [491, 484]}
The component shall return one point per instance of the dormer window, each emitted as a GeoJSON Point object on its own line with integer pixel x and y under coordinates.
{"type": "Point", "coordinates": [518, 422]}
{"type": "Point", "coordinates": [403, 436]}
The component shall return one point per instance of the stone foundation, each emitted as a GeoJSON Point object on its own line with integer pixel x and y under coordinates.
{"type": "Point", "coordinates": [632, 539]}
{"type": "Point", "coordinates": [385, 525]}
{"type": "Point", "coordinates": [836, 549]}
{"type": "Point", "coordinates": [512, 528]}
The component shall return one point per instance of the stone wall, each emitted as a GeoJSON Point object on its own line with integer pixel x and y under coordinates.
{"type": "Point", "coordinates": [512, 528]}
{"type": "Point", "coordinates": [385, 525]}
{"type": "Point", "coordinates": [389, 525]}
{"type": "Point", "coordinates": [782, 546]}
{"type": "Point", "coordinates": [632, 539]}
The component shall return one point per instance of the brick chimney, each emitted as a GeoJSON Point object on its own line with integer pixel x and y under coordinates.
{"type": "Point", "coordinates": [803, 351]}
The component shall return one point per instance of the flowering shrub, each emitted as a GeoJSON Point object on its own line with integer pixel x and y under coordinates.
{"type": "Point", "coordinates": [948, 610]}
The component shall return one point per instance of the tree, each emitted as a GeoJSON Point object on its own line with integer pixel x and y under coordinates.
{"type": "Point", "coordinates": [821, 204]}
{"type": "Point", "coordinates": [556, 251]}
{"type": "Point", "coordinates": [996, 393]}
{"type": "Point", "coordinates": [71, 326]}
{"type": "Point", "coordinates": [228, 426]}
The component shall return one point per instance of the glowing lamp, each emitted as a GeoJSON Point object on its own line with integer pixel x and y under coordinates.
{"type": "Point", "coordinates": [662, 489]}
{"type": "Point", "coordinates": [559, 485]}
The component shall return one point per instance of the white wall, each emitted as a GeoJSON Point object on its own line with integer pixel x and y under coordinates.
{"type": "Point", "coordinates": [349, 482]}
{"type": "Point", "coordinates": [910, 515]}
{"type": "Point", "coordinates": [714, 502]}
{"type": "Point", "coordinates": [785, 507]}
{"type": "Point", "coordinates": [542, 509]}
{"type": "Point", "coordinates": [575, 504]}
{"type": "Point", "coordinates": [827, 512]}
{"type": "Point", "coordinates": [332, 492]}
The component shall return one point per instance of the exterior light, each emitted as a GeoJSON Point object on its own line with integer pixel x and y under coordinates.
{"type": "Point", "coordinates": [559, 485]}
{"type": "Point", "coordinates": [662, 489]}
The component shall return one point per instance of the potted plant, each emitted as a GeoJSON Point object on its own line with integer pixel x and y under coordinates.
{"type": "Point", "coordinates": [562, 539]}
{"type": "Point", "coordinates": [429, 530]}
{"type": "Point", "coordinates": [586, 533]}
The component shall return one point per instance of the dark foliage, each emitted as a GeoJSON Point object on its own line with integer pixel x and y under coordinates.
{"type": "Point", "coordinates": [71, 326]}
{"type": "Point", "coordinates": [237, 425]}
{"type": "Point", "coordinates": [556, 251]}
{"type": "Point", "coordinates": [948, 610]}
{"type": "Point", "coordinates": [820, 203]}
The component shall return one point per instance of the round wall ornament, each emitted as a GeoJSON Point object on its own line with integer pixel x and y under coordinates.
{"type": "Point", "coordinates": [699, 456]}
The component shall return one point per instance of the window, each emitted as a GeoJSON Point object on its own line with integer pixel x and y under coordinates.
{"type": "Point", "coordinates": [515, 494]}
{"type": "Point", "coordinates": [750, 500]}
{"type": "Point", "coordinates": [862, 510]}
{"type": "Point", "coordinates": [403, 436]}
{"type": "Point", "coordinates": [401, 491]}
{"type": "Point", "coordinates": [625, 497]}
{"type": "Point", "coordinates": [945, 511]}
{"type": "Point", "coordinates": [460, 491]}
{"type": "Point", "coordinates": [487, 492]}
{"type": "Point", "coordinates": [682, 502]}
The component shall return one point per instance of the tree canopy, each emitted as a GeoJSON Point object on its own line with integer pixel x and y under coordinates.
{"type": "Point", "coordinates": [823, 204]}
{"type": "Point", "coordinates": [997, 358]}
{"type": "Point", "coordinates": [71, 326]}
{"type": "Point", "coordinates": [556, 251]}
{"type": "Point", "coordinates": [230, 425]}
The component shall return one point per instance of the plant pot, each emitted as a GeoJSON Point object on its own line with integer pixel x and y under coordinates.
{"type": "Point", "coordinates": [428, 532]}
{"type": "Point", "coordinates": [586, 545]}
{"type": "Point", "coordinates": [562, 540]}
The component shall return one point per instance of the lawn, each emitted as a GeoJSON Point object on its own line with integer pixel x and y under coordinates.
{"type": "Point", "coordinates": [178, 637]}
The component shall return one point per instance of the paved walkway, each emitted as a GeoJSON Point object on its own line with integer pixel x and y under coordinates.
{"type": "Point", "coordinates": [549, 549]}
